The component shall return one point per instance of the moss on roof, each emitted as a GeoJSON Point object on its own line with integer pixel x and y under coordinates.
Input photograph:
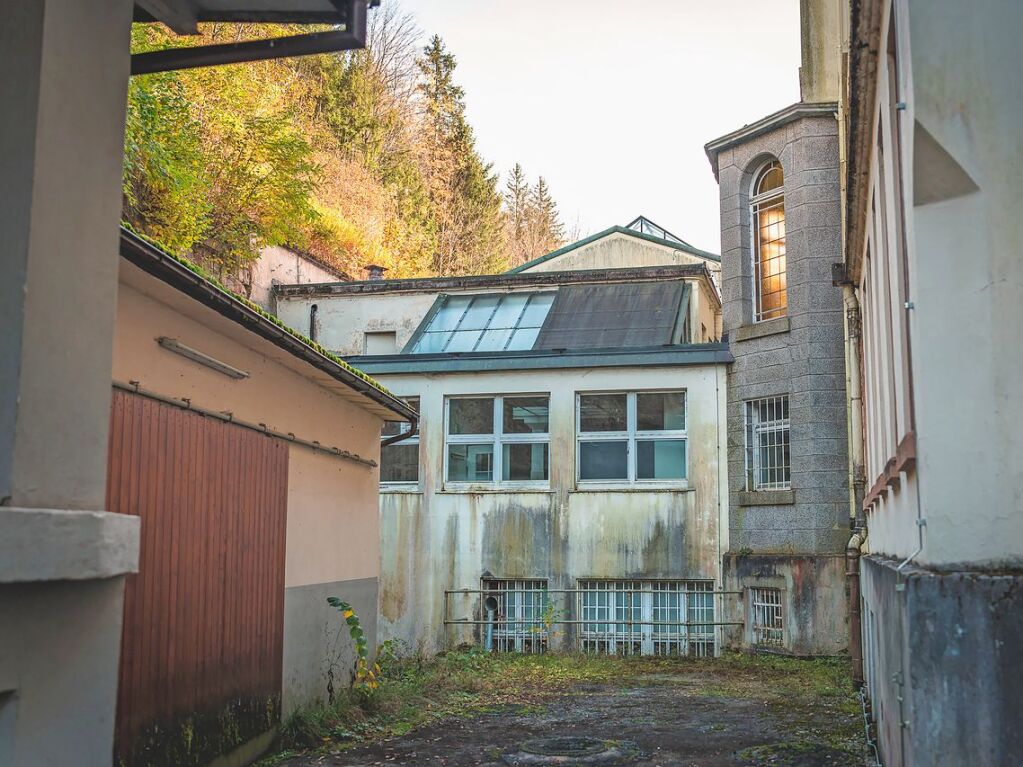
{"type": "Point", "coordinates": [215, 283]}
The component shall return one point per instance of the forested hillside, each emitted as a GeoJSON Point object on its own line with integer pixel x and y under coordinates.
{"type": "Point", "coordinates": [362, 157]}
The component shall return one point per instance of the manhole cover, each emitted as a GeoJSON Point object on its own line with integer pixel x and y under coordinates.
{"type": "Point", "coordinates": [574, 750]}
{"type": "Point", "coordinates": [565, 746]}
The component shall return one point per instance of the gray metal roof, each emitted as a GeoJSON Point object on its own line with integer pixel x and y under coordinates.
{"type": "Point", "coordinates": [611, 316]}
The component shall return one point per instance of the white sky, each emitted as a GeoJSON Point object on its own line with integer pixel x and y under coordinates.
{"type": "Point", "coordinates": [612, 101]}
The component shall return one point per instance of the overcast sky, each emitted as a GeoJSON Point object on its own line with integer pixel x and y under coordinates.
{"type": "Point", "coordinates": [613, 101]}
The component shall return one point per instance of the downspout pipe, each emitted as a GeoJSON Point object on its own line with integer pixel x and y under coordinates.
{"type": "Point", "coordinates": [852, 575]}
{"type": "Point", "coordinates": [413, 422]}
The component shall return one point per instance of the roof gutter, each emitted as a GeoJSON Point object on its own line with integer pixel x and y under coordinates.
{"type": "Point", "coordinates": [165, 267]}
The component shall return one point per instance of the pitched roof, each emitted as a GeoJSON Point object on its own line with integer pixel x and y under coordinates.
{"type": "Point", "coordinates": [193, 282]}
{"type": "Point", "coordinates": [675, 243]}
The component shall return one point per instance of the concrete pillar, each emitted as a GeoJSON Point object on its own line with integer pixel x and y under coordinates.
{"type": "Point", "coordinates": [65, 67]}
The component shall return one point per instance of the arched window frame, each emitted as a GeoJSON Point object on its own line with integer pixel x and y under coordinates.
{"type": "Point", "coordinates": [770, 199]}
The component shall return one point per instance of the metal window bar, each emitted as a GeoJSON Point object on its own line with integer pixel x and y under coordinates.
{"type": "Point", "coordinates": [767, 444]}
{"type": "Point", "coordinates": [632, 617]}
{"type": "Point", "coordinates": [766, 620]}
{"type": "Point", "coordinates": [519, 623]}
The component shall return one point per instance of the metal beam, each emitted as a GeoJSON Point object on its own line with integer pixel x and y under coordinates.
{"type": "Point", "coordinates": [179, 15]}
{"type": "Point", "coordinates": [352, 37]}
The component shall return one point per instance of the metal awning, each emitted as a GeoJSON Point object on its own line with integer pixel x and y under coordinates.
{"type": "Point", "coordinates": [347, 17]}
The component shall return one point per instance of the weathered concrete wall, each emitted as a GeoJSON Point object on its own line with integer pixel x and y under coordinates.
{"type": "Point", "coordinates": [319, 655]}
{"type": "Point", "coordinates": [435, 538]}
{"type": "Point", "coordinates": [948, 645]}
{"type": "Point", "coordinates": [813, 598]}
{"type": "Point", "coordinates": [801, 355]}
{"type": "Point", "coordinates": [617, 251]}
{"type": "Point", "coordinates": [281, 265]}
{"type": "Point", "coordinates": [343, 321]}
{"type": "Point", "coordinates": [333, 521]}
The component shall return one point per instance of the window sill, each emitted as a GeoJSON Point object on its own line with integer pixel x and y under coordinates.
{"type": "Point", "coordinates": [767, 497]}
{"type": "Point", "coordinates": [606, 488]}
{"type": "Point", "coordinates": [495, 491]}
{"type": "Point", "coordinates": [761, 329]}
{"type": "Point", "coordinates": [409, 489]}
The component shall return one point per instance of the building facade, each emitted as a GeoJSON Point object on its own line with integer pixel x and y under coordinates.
{"type": "Point", "coordinates": [932, 108]}
{"type": "Point", "coordinates": [789, 489]}
{"type": "Point", "coordinates": [571, 451]}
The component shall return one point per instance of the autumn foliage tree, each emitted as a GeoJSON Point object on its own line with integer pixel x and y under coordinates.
{"type": "Point", "coordinates": [358, 157]}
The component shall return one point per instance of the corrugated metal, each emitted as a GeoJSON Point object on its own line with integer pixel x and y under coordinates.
{"type": "Point", "coordinates": [612, 316]}
{"type": "Point", "coordinates": [204, 617]}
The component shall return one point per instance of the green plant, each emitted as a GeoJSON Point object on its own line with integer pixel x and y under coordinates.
{"type": "Point", "coordinates": [366, 678]}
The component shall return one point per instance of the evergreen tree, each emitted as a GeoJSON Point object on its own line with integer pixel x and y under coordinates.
{"type": "Point", "coordinates": [517, 207]}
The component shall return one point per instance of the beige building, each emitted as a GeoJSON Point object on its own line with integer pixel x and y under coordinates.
{"type": "Point", "coordinates": [285, 513]}
{"type": "Point", "coordinates": [570, 456]}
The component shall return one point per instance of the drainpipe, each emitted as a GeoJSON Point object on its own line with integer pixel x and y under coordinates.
{"type": "Point", "coordinates": [413, 431]}
{"type": "Point", "coordinates": [857, 519]}
{"type": "Point", "coordinates": [491, 607]}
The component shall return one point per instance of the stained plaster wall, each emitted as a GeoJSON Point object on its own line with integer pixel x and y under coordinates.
{"type": "Point", "coordinates": [332, 526]}
{"type": "Point", "coordinates": [435, 539]}
{"type": "Point", "coordinates": [277, 264]}
{"type": "Point", "coordinates": [804, 358]}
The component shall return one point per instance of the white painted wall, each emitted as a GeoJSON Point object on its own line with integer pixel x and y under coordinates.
{"type": "Point", "coordinates": [283, 265]}
{"type": "Point", "coordinates": [966, 275]}
{"type": "Point", "coordinates": [436, 538]}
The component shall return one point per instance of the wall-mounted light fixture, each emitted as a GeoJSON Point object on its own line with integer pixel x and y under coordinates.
{"type": "Point", "coordinates": [172, 345]}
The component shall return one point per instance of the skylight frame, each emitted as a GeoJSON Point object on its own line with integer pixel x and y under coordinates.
{"type": "Point", "coordinates": [453, 331]}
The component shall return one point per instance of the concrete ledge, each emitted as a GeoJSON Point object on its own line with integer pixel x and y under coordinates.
{"type": "Point", "coordinates": [767, 497]}
{"type": "Point", "coordinates": [57, 545]}
{"type": "Point", "coordinates": [761, 329]}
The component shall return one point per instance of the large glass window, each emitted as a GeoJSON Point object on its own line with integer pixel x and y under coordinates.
{"type": "Point", "coordinates": [767, 443]}
{"type": "Point", "coordinates": [399, 463]}
{"type": "Point", "coordinates": [770, 298]}
{"type": "Point", "coordinates": [632, 437]}
{"type": "Point", "coordinates": [501, 440]}
{"type": "Point", "coordinates": [485, 323]}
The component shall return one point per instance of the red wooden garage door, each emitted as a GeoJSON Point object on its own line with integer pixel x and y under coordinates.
{"type": "Point", "coordinates": [204, 617]}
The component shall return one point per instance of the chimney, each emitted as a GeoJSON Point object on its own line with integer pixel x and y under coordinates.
{"type": "Point", "coordinates": [375, 271]}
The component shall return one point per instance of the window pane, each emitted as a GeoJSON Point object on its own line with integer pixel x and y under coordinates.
{"type": "Point", "coordinates": [508, 313]}
{"type": "Point", "coordinates": [470, 463]}
{"type": "Point", "coordinates": [661, 459]}
{"type": "Point", "coordinates": [471, 416]}
{"type": "Point", "coordinates": [449, 314]}
{"type": "Point", "coordinates": [524, 463]}
{"type": "Point", "coordinates": [399, 463]}
{"type": "Point", "coordinates": [661, 412]}
{"type": "Point", "coordinates": [493, 340]}
{"type": "Point", "coordinates": [463, 341]}
{"type": "Point", "coordinates": [603, 460]}
{"type": "Point", "coordinates": [526, 415]}
{"type": "Point", "coordinates": [393, 428]}
{"type": "Point", "coordinates": [523, 338]}
{"type": "Point", "coordinates": [431, 343]}
{"type": "Point", "coordinates": [602, 412]}
{"type": "Point", "coordinates": [479, 313]}
{"type": "Point", "coordinates": [536, 310]}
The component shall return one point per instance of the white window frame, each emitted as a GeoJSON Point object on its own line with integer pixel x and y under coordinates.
{"type": "Point", "coordinates": [631, 437]}
{"type": "Point", "coordinates": [752, 451]}
{"type": "Point", "coordinates": [404, 427]}
{"type": "Point", "coordinates": [756, 203]}
{"type": "Point", "coordinates": [498, 439]}
{"type": "Point", "coordinates": [645, 638]}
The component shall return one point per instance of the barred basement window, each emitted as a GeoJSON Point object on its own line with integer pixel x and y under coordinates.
{"type": "Point", "coordinates": [399, 463]}
{"type": "Point", "coordinates": [766, 624]}
{"type": "Point", "coordinates": [767, 443]}
{"type": "Point", "coordinates": [647, 617]}
{"type": "Point", "coordinates": [519, 623]}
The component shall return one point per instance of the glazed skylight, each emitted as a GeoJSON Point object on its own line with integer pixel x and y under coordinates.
{"type": "Point", "coordinates": [488, 323]}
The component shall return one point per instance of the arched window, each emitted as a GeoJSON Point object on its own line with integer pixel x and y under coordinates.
{"type": "Point", "coordinates": [768, 222]}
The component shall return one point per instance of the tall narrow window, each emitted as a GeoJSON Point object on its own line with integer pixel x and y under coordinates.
{"type": "Point", "coordinates": [399, 463]}
{"type": "Point", "coordinates": [770, 299]}
{"type": "Point", "coordinates": [767, 443]}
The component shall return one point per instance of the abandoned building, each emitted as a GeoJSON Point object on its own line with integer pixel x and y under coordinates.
{"type": "Point", "coordinates": [570, 450]}
{"type": "Point", "coordinates": [244, 535]}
